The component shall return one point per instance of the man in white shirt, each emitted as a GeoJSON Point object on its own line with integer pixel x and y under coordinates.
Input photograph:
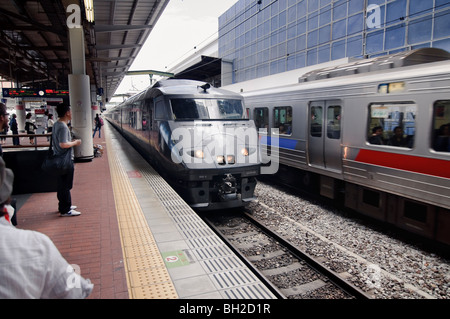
{"type": "Point", "coordinates": [30, 264]}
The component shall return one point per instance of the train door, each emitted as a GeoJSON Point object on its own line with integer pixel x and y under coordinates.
{"type": "Point", "coordinates": [324, 136]}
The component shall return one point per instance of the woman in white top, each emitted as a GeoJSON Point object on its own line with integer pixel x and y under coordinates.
{"type": "Point", "coordinates": [50, 123]}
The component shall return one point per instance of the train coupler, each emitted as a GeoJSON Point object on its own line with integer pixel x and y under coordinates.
{"type": "Point", "coordinates": [227, 188]}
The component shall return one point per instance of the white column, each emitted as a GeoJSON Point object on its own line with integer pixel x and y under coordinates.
{"type": "Point", "coordinates": [80, 96]}
{"type": "Point", "coordinates": [80, 102]}
{"type": "Point", "coordinates": [20, 112]}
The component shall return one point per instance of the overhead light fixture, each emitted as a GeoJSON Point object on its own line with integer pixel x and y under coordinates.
{"type": "Point", "coordinates": [89, 7]}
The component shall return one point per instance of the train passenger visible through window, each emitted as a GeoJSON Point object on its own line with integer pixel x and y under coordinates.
{"type": "Point", "coordinates": [392, 124]}
{"type": "Point", "coordinates": [261, 118]}
{"type": "Point", "coordinates": [398, 139]}
{"type": "Point", "coordinates": [442, 143]}
{"type": "Point", "coordinates": [377, 136]}
{"type": "Point", "coordinates": [282, 117]}
{"type": "Point", "coordinates": [441, 126]}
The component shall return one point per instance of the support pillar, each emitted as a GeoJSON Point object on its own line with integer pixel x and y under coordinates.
{"type": "Point", "coordinates": [20, 112]}
{"type": "Point", "coordinates": [80, 97]}
{"type": "Point", "coordinates": [80, 102]}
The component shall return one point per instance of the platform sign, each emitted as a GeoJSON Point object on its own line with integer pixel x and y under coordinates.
{"type": "Point", "coordinates": [176, 258]}
{"type": "Point", "coordinates": [56, 93]}
{"type": "Point", "coordinates": [134, 174]}
{"type": "Point", "coordinates": [22, 93]}
{"type": "Point", "coordinates": [15, 92]}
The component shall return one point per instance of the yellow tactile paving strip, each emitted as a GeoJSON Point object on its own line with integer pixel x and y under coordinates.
{"type": "Point", "coordinates": [147, 275]}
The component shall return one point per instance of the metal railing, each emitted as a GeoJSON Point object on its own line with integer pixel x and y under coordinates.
{"type": "Point", "coordinates": [26, 143]}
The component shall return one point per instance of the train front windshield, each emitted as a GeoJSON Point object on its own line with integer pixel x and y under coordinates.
{"type": "Point", "coordinates": [207, 109]}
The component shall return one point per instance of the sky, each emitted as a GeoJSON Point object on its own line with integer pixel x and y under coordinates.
{"type": "Point", "coordinates": [184, 24]}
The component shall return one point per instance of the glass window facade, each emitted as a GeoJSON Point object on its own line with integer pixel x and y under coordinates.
{"type": "Point", "coordinates": [281, 35]}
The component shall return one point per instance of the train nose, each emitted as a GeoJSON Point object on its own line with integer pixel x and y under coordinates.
{"type": "Point", "coordinates": [226, 149]}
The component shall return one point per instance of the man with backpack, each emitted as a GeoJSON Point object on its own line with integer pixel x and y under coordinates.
{"type": "Point", "coordinates": [98, 123]}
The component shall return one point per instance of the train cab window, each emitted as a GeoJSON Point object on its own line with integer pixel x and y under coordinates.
{"type": "Point", "coordinates": [441, 126]}
{"type": "Point", "coordinates": [220, 109]}
{"type": "Point", "coordinates": [282, 119]}
{"type": "Point", "coordinates": [334, 122]}
{"type": "Point", "coordinates": [228, 109]}
{"type": "Point", "coordinates": [188, 109]}
{"type": "Point", "coordinates": [392, 124]}
{"type": "Point", "coordinates": [261, 118]}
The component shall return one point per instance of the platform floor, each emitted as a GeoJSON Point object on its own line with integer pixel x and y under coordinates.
{"type": "Point", "coordinates": [91, 240]}
{"type": "Point", "coordinates": [136, 238]}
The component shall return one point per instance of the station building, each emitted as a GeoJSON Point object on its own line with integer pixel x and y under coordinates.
{"type": "Point", "coordinates": [264, 38]}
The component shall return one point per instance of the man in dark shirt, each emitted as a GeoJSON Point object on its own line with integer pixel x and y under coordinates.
{"type": "Point", "coordinates": [62, 142]}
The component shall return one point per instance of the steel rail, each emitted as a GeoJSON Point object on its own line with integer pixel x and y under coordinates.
{"type": "Point", "coordinates": [247, 262]}
{"type": "Point", "coordinates": [311, 261]}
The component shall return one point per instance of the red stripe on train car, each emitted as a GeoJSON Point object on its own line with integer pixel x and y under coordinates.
{"type": "Point", "coordinates": [416, 164]}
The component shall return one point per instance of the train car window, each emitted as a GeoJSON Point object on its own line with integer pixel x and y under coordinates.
{"type": "Point", "coordinates": [334, 122]}
{"type": "Point", "coordinates": [441, 126]}
{"type": "Point", "coordinates": [132, 119]}
{"type": "Point", "coordinates": [282, 118]}
{"type": "Point", "coordinates": [147, 120]}
{"type": "Point", "coordinates": [392, 124]}
{"type": "Point", "coordinates": [261, 118]}
{"type": "Point", "coordinates": [137, 116]}
{"type": "Point", "coordinates": [316, 121]}
{"type": "Point", "coordinates": [128, 116]}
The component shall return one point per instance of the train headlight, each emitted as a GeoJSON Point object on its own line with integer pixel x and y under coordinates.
{"type": "Point", "coordinates": [199, 154]}
{"type": "Point", "coordinates": [244, 151]}
{"type": "Point", "coordinates": [220, 159]}
{"type": "Point", "coordinates": [231, 159]}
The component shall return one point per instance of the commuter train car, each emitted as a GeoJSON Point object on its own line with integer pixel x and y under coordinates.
{"type": "Point", "coordinates": [377, 130]}
{"type": "Point", "coordinates": [198, 137]}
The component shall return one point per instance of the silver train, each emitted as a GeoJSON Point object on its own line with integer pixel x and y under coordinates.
{"type": "Point", "coordinates": [198, 137]}
{"type": "Point", "coordinates": [377, 130]}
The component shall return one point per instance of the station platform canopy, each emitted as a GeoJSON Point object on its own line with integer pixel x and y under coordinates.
{"type": "Point", "coordinates": [35, 48]}
{"type": "Point", "coordinates": [205, 68]}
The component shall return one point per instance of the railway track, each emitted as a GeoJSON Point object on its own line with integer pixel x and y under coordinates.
{"type": "Point", "coordinates": [290, 272]}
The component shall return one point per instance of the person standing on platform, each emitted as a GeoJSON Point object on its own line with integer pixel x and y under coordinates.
{"type": "Point", "coordinates": [62, 142]}
{"type": "Point", "coordinates": [98, 122]}
{"type": "Point", "coordinates": [14, 129]}
{"type": "Point", "coordinates": [3, 135]}
{"type": "Point", "coordinates": [30, 127]}
{"type": "Point", "coordinates": [50, 124]}
{"type": "Point", "coordinates": [3, 124]}
{"type": "Point", "coordinates": [31, 265]}
{"type": "Point", "coordinates": [3, 121]}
